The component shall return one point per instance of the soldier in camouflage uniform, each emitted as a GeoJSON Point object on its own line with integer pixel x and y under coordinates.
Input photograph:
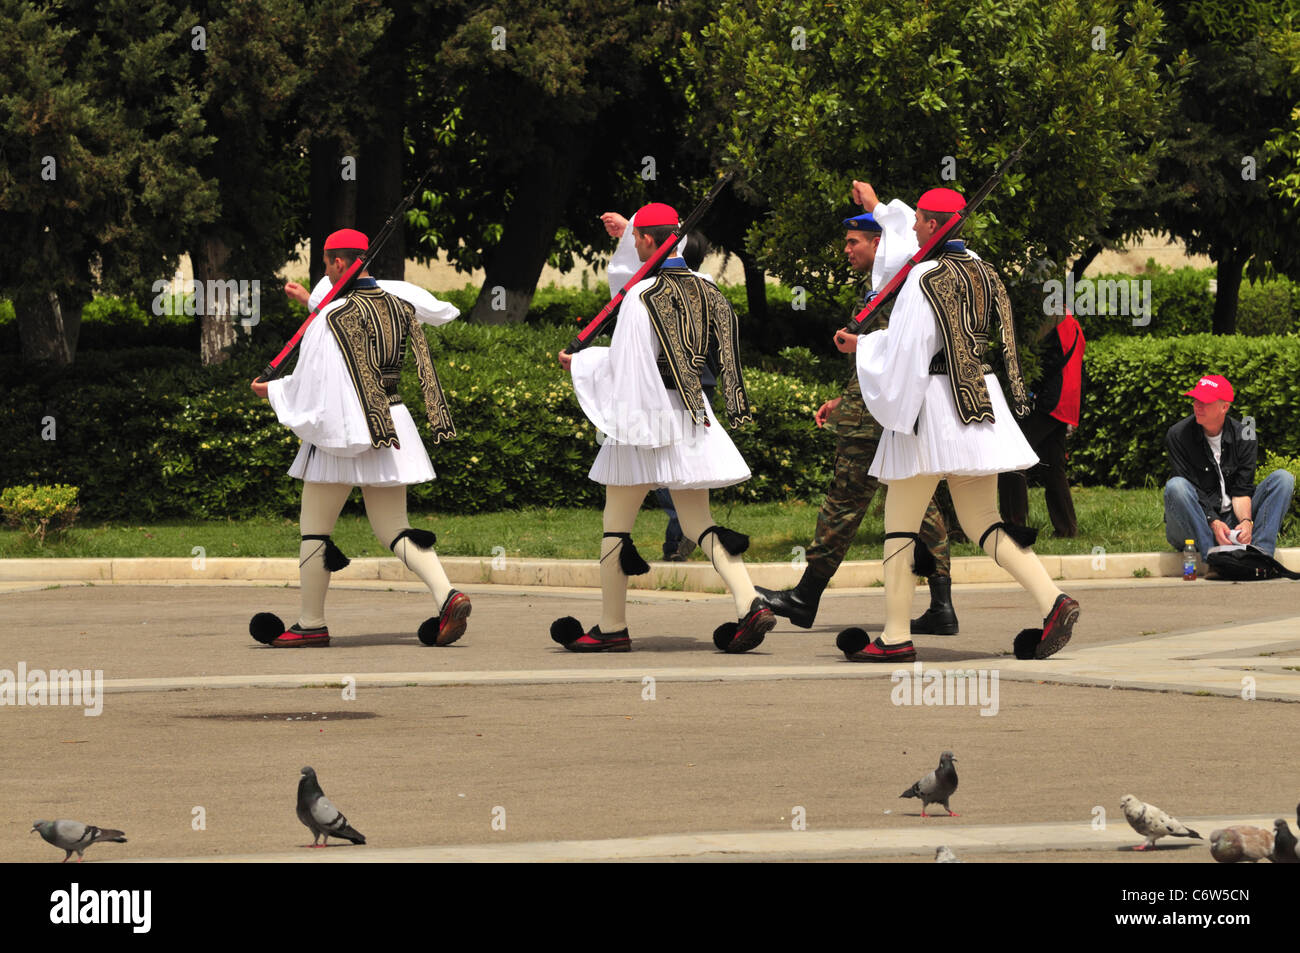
{"type": "Point", "coordinates": [852, 487]}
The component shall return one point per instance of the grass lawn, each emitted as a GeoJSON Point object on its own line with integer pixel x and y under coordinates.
{"type": "Point", "coordinates": [1118, 520]}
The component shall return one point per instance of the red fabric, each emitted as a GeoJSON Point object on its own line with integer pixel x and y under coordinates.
{"type": "Point", "coordinates": [656, 213]}
{"type": "Point", "coordinates": [941, 200]}
{"type": "Point", "coordinates": [1067, 408]}
{"type": "Point", "coordinates": [1210, 388]}
{"type": "Point", "coordinates": [347, 238]}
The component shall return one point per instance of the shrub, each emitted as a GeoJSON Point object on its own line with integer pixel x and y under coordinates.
{"type": "Point", "coordinates": [1134, 395]}
{"type": "Point", "coordinates": [150, 434]}
{"type": "Point", "coordinates": [40, 509]}
{"type": "Point", "coordinates": [1276, 461]}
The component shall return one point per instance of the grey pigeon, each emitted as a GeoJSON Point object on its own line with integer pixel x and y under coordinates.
{"type": "Point", "coordinates": [1234, 845]}
{"type": "Point", "coordinates": [321, 817]}
{"type": "Point", "coordinates": [937, 786]}
{"type": "Point", "coordinates": [944, 855]}
{"type": "Point", "coordinates": [1151, 822]}
{"type": "Point", "coordinates": [1284, 844]}
{"type": "Point", "coordinates": [74, 835]}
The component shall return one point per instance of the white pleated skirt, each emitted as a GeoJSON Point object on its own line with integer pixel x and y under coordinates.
{"type": "Point", "coordinates": [704, 459]}
{"type": "Point", "coordinates": [386, 466]}
{"type": "Point", "coordinates": [944, 446]}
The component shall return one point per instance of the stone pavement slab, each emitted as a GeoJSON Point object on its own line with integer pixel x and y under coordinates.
{"type": "Point", "coordinates": [712, 756]}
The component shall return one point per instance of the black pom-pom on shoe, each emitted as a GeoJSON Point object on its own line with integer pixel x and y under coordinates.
{"type": "Point", "coordinates": [566, 630]}
{"type": "Point", "coordinates": [266, 627]}
{"type": "Point", "coordinates": [852, 640]}
{"type": "Point", "coordinates": [1026, 643]}
{"type": "Point", "coordinates": [428, 631]}
{"type": "Point", "coordinates": [723, 635]}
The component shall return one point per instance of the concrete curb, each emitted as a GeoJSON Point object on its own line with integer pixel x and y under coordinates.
{"type": "Point", "coordinates": [573, 573]}
{"type": "Point", "coordinates": [922, 840]}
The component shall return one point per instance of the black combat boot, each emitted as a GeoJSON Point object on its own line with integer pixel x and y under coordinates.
{"type": "Point", "coordinates": [939, 619]}
{"type": "Point", "coordinates": [799, 604]}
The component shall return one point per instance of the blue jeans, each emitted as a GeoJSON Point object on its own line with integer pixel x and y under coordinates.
{"type": "Point", "coordinates": [1184, 519]}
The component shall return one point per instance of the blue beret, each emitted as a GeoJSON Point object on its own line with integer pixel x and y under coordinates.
{"type": "Point", "coordinates": [863, 223]}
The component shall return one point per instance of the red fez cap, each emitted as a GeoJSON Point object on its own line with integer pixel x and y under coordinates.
{"type": "Point", "coordinates": [656, 213]}
{"type": "Point", "coordinates": [347, 238]}
{"type": "Point", "coordinates": [941, 200]}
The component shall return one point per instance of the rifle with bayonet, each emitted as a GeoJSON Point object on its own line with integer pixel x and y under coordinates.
{"type": "Point", "coordinates": [946, 233]}
{"type": "Point", "coordinates": [340, 287]}
{"type": "Point", "coordinates": [599, 324]}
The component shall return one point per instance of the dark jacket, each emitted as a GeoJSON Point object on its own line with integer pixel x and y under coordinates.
{"type": "Point", "coordinates": [1190, 457]}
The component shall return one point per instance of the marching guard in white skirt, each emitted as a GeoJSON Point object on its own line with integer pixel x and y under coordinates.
{"type": "Point", "coordinates": [945, 417]}
{"type": "Point", "coordinates": [342, 400]}
{"type": "Point", "coordinates": [643, 395]}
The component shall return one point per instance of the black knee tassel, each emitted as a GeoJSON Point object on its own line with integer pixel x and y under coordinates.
{"type": "Point", "coordinates": [922, 558]}
{"type": "Point", "coordinates": [629, 560]}
{"type": "Point", "coordinates": [733, 542]}
{"type": "Point", "coordinates": [334, 558]}
{"type": "Point", "coordinates": [1022, 536]}
{"type": "Point", "coordinates": [420, 537]}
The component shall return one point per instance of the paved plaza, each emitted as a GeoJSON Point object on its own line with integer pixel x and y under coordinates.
{"type": "Point", "coordinates": [506, 747]}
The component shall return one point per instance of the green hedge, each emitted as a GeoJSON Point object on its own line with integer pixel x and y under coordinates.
{"type": "Point", "coordinates": [149, 433]}
{"type": "Point", "coordinates": [1134, 396]}
{"type": "Point", "coordinates": [1181, 303]}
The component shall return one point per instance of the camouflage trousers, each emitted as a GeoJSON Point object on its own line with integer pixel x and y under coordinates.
{"type": "Point", "coordinates": [851, 491]}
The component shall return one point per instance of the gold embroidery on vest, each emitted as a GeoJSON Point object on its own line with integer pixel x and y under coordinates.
{"type": "Point", "coordinates": [684, 311]}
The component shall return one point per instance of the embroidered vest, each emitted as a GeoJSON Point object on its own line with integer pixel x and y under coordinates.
{"type": "Point", "coordinates": [371, 328]}
{"type": "Point", "coordinates": [689, 315]}
{"type": "Point", "coordinates": [964, 293]}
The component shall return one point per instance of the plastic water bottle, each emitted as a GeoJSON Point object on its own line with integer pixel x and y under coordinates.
{"type": "Point", "coordinates": [1189, 560]}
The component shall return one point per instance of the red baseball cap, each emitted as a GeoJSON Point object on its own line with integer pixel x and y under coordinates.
{"type": "Point", "coordinates": [656, 213]}
{"type": "Point", "coordinates": [1210, 388]}
{"type": "Point", "coordinates": [347, 238]}
{"type": "Point", "coordinates": [941, 200]}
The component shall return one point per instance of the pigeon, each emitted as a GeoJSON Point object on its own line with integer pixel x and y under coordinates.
{"type": "Point", "coordinates": [937, 786]}
{"type": "Point", "coordinates": [1284, 844]}
{"type": "Point", "coordinates": [1233, 845]}
{"type": "Point", "coordinates": [321, 817]}
{"type": "Point", "coordinates": [944, 855]}
{"type": "Point", "coordinates": [74, 835]}
{"type": "Point", "coordinates": [1151, 822]}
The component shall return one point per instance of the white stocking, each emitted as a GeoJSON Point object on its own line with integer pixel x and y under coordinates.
{"type": "Point", "coordinates": [975, 500]}
{"type": "Point", "coordinates": [622, 503]}
{"type": "Point", "coordinates": [321, 505]}
{"type": "Point", "coordinates": [386, 510]}
{"type": "Point", "coordinates": [905, 505]}
{"type": "Point", "coordinates": [695, 517]}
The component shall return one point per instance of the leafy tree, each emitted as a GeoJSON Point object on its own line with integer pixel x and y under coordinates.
{"type": "Point", "coordinates": [279, 79]}
{"type": "Point", "coordinates": [548, 113]}
{"type": "Point", "coordinates": [803, 96]}
{"type": "Point", "coordinates": [1229, 165]}
{"type": "Point", "coordinates": [101, 133]}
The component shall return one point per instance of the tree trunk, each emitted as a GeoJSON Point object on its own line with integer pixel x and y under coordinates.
{"type": "Point", "coordinates": [333, 198]}
{"type": "Point", "coordinates": [1083, 261]}
{"type": "Point", "coordinates": [1230, 264]}
{"type": "Point", "coordinates": [216, 298]}
{"type": "Point", "coordinates": [46, 334]}
{"type": "Point", "coordinates": [541, 192]}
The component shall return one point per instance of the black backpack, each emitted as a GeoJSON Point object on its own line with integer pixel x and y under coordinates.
{"type": "Point", "coordinates": [1247, 563]}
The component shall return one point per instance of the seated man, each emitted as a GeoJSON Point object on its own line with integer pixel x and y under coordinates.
{"type": "Point", "coordinates": [1211, 497]}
